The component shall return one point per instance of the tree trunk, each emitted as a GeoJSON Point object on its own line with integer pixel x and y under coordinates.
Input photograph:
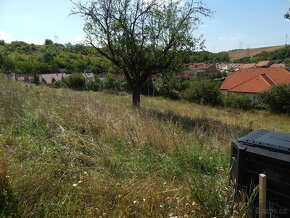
{"type": "Point", "coordinates": [136, 97]}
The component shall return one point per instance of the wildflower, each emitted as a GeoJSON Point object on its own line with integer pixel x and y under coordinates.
{"type": "Point", "coordinates": [74, 185]}
{"type": "Point", "coordinates": [144, 199]}
{"type": "Point", "coordinates": [193, 203]}
{"type": "Point", "coordinates": [134, 202]}
{"type": "Point", "coordinates": [161, 206]}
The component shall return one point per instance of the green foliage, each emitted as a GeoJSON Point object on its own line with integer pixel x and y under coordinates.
{"type": "Point", "coordinates": [48, 42]}
{"type": "Point", "coordinates": [2, 42]}
{"type": "Point", "coordinates": [59, 84]}
{"type": "Point", "coordinates": [6, 64]}
{"type": "Point", "coordinates": [202, 92]}
{"type": "Point", "coordinates": [287, 15]}
{"type": "Point", "coordinates": [52, 58]}
{"type": "Point", "coordinates": [207, 57]}
{"type": "Point", "coordinates": [237, 101]}
{"type": "Point", "coordinates": [277, 99]}
{"type": "Point", "coordinates": [75, 81]}
{"type": "Point", "coordinates": [281, 55]}
{"type": "Point", "coordinates": [168, 86]}
{"type": "Point", "coordinates": [93, 85]}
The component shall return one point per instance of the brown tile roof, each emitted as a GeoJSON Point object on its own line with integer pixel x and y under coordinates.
{"type": "Point", "coordinates": [255, 80]}
{"type": "Point", "coordinates": [279, 65]}
{"type": "Point", "coordinates": [263, 64]}
{"type": "Point", "coordinates": [246, 66]}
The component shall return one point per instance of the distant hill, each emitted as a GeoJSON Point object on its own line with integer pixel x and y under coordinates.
{"type": "Point", "coordinates": [240, 53]}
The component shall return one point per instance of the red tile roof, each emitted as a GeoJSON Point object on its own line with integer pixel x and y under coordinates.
{"type": "Point", "coordinates": [255, 80]}
{"type": "Point", "coordinates": [194, 67]}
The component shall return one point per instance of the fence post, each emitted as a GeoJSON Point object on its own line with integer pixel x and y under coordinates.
{"type": "Point", "coordinates": [262, 195]}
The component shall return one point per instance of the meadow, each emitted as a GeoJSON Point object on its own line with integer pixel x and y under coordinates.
{"type": "Point", "coordinates": [90, 154]}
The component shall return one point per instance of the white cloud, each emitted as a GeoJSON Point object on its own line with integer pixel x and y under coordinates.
{"type": "Point", "coordinates": [79, 40]}
{"type": "Point", "coordinates": [5, 36]}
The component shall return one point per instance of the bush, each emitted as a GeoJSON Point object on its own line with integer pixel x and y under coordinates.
{"type": "Point", "coordinates": [93, 85]}
{"type": "Point", "coordinates": [169, 87]}
{"type": "Point", "coordinates": [237, 101]}
{"type": "Point", "coordinates": [59, 84]}
{"type": "Point", "coordinates": [202, 92]}
{"type": "Point", "coordinates": [75, 81]}
{"type": "Point", "coordinates": [277, 99]}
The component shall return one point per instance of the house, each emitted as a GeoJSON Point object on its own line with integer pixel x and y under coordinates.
{"type": "Point", "coordinates": [196, 70]}
{"type": "Point", "coordinates": [29, 78]}
{"type": "Point", "coordinates": [287, 66]}
{"type": "Point", "coordinates": [255, 80]}
{"type": "Point", "coordinates": [232, 67]}
{"type": "Point", "coordinates": [90, 76]}
{"type": "Point", "coordinates": [247, 66]}
{"type": "Point", "coordinates": [49, 79]}
{"type": "Point", "coordinates": [264, 64]}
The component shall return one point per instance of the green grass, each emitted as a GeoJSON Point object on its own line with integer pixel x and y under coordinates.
{"type": "Point", "coordinates": [68, 153]}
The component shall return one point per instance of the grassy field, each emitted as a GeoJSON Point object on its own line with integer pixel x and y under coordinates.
{"type": "Point", "coordinates": [252, 51]}
{"type": "Point", "coordinates": [67, 153]}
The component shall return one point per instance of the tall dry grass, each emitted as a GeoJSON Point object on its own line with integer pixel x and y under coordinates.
{"type": "Point", "coordinates": [90, 154]}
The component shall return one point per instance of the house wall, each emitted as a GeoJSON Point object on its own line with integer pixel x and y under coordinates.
{"type": "Point", "coordinates": [252, 96]}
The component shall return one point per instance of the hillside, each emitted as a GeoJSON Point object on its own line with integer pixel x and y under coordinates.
{"type": "Point", "coordinates": [236, 54]}
{"type": "Point", "coordinates": [90, 154]}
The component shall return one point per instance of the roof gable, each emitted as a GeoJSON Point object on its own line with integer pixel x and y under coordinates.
{"type": "Point", "coordinates": [261, 79]}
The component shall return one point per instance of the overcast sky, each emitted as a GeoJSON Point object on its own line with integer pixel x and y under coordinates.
{"type": "Point", "coordinates": [235, 24]}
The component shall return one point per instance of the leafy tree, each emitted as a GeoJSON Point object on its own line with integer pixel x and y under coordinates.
{"type": "Point", "coordinates": [48, 42]}
{"type": "Point", "coordinates": [287, 15]}
{"type": "Point", "coordinates": [2, 42]}
{"type": "Point", "coordinates": [141, 38]}
{"type": "Point", "coordinates": [75, 81]}
{"type": "Point", "coordinates": [277, 99]}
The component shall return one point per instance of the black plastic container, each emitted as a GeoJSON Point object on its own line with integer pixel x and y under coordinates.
{"type": "Point", "coordinates": [267, 152]}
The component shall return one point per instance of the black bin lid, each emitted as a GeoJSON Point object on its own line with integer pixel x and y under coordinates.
{"type": "Point", "coordinates": [266, 139]}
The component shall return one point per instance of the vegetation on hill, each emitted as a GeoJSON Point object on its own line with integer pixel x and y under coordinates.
{"type": "Point", "coordinates": [68, 153]}
{"type": "Point", "coordinates": [207, 57]}
{"type": "Point", "coordinates": [281, 55]}
{"type": "Point", "coordinates": [243, 53]}
{"type": "Point", "coordinates": [22, 58]}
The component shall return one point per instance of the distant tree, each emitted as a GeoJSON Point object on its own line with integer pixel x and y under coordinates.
{"type": "Point", "coordinates": [287, 15]}
{"type": "Point", "coordinates": [141, 38]}
{"type": "Point", "coordinates": [48, 42]}
{"type": "Point", "coordinates": [2, 42]}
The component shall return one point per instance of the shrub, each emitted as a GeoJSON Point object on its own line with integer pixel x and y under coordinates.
{"type": "Point", "coordinates": [237, 101]}
{"type": "Point", "coordinates": [59, 84]}
{"type": "Point", "coordinates": [75, 81]}
{"type": "Point", "coordinates": [169, 87]}
{"type": "Point", "coordinates": [202, 92]}
{"type": "Point", "coordinates": [93, 85]}
{"type": "Point", "coordinates": [277, 99]}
